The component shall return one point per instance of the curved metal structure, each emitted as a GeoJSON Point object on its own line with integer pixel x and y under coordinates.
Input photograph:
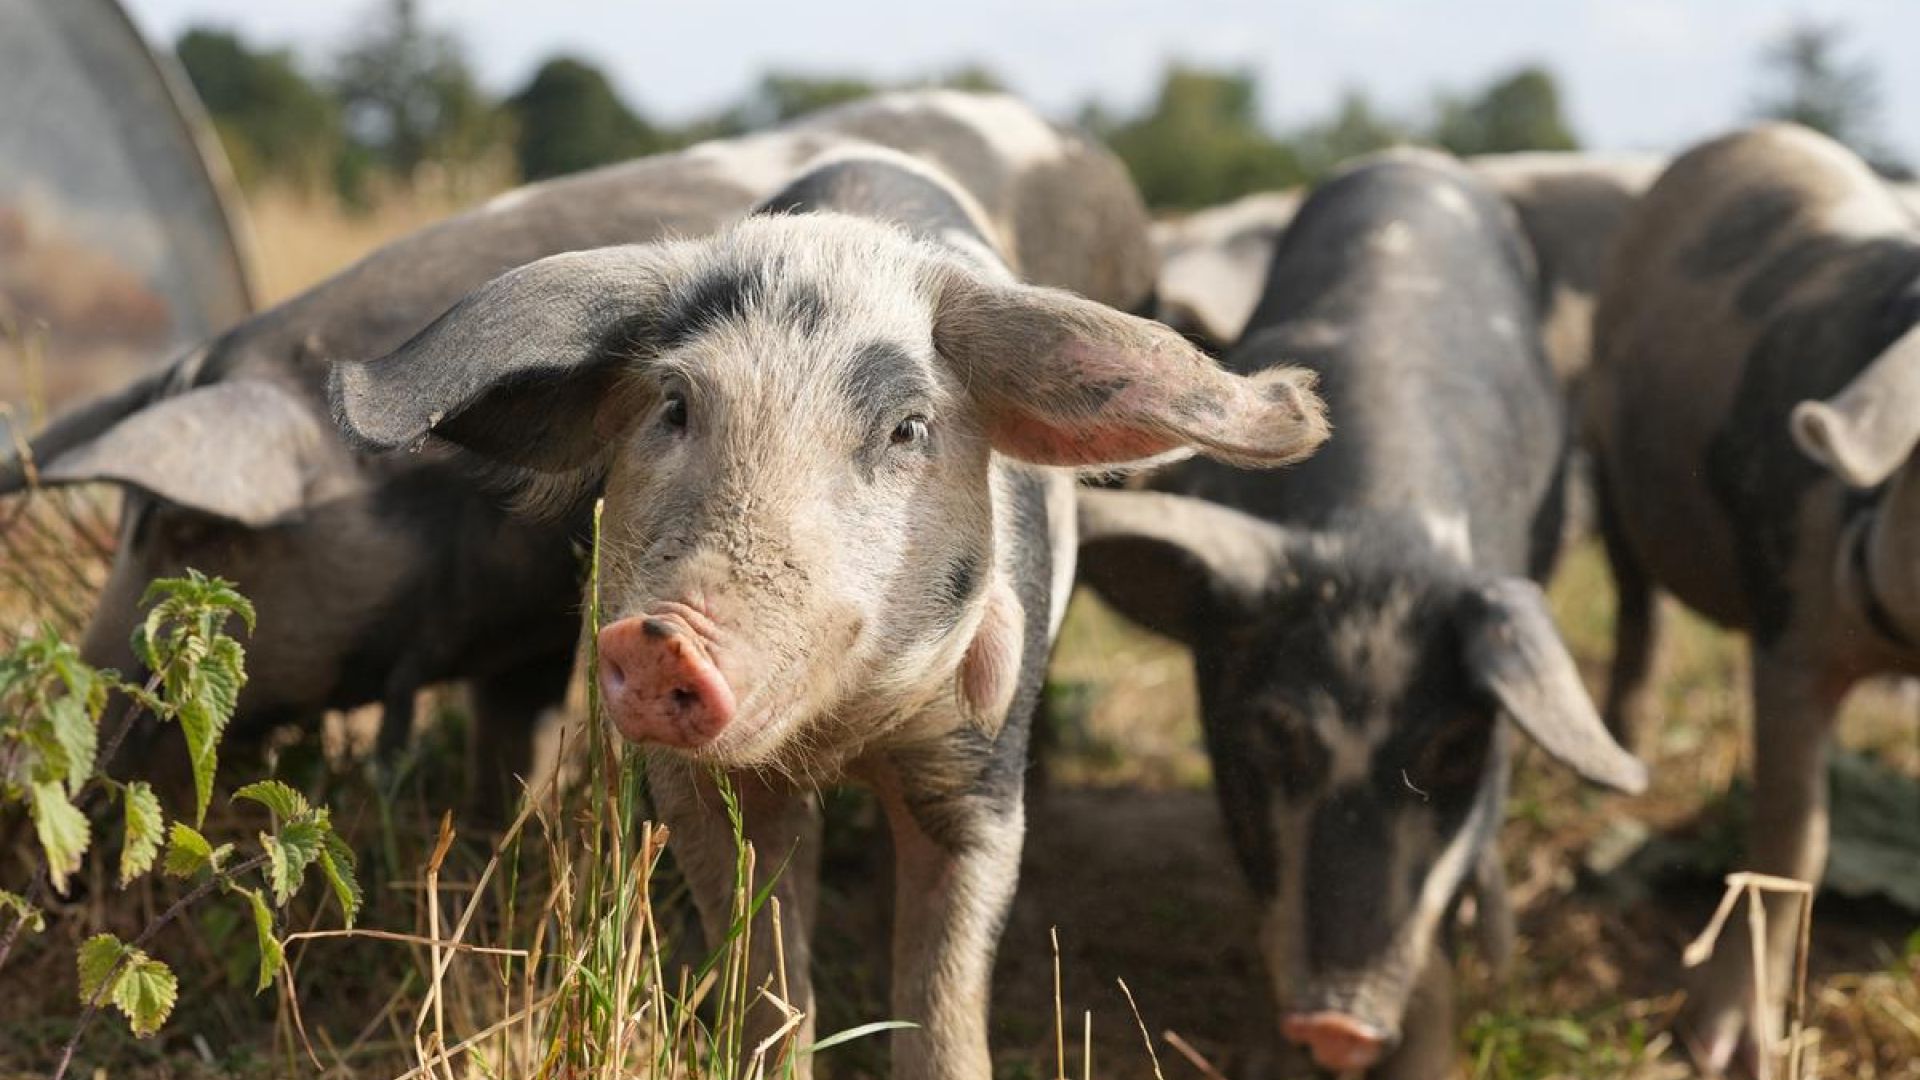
{"type": "Point", "coordinates": [119, 229]}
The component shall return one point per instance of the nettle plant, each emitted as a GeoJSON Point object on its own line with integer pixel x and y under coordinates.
{"type": "Point", "coordinates": [53, 745]}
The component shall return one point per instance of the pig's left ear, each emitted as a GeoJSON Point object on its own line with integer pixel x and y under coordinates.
{"type": "Point", "coordinates": [1863, 433]}
{"type": "Point", "coordinates": [1061, 380]}
{"type": "Point", "coordinates": [1515, 654]}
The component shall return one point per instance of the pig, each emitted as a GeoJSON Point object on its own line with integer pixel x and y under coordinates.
{"type": "Point", "coordinates": [1367, 626]}
{"type": "Point", "coordinates": [836, 445]}
{"type": "Point", "coordinates": [1755, 401]}
{"type": "Point", "coordinates": [377, 576]}
{"type": "Point", "coordinates": [1213, 263]}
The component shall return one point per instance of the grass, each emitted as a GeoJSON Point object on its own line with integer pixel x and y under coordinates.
{"type": "Point", "coordinates": [592, 966]}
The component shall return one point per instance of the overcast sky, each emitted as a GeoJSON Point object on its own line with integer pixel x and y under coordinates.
{"type": "Point", "coordinates": [1637, 74]}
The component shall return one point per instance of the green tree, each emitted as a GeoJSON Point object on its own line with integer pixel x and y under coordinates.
{"type": "Point", "coordinates": [272, 120]}
{"type": "Point", "coordinates": [1355, 128]}
{"type": "Point", "coordinates": [409, 97]}
{"type": "Point", "coordinates": [1810, 82]}
{"type": "Point", "coordinates": [569, 118]}
{"type": "Point", "coordinates": [1518, 112]}
{"type": "Point", "coordinates": [1202, 143]}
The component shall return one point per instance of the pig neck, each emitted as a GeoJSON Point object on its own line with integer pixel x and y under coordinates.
{"type": "Point", "coordinates": [1880, 561]}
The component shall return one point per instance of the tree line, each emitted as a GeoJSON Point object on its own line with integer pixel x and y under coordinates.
{"type": "Point", "coordinates": [400, 105]}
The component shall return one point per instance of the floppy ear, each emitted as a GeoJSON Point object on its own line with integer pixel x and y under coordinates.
{"type": "Point", "coordinates": [1515, 653]}
{"type": "Point", "coordinates": [78, 425]}
{"type": "Point", "coordinates": [520, 369]}
{"type": "Point", "coordinates": [1062, 380]}
{"type": "Point", "coordinates": [1169, 562]}
{"type": "Point", "coordinates": [1863, 433]}
{"type": "Point", "coordinates": [246, 450]}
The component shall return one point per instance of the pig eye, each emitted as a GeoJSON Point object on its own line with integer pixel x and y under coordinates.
{"type": "Point", "coordinates": [910, 432]}
{"type": "Point", "coordinates": [674, 413]}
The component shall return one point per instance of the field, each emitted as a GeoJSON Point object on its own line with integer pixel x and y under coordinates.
{"type": "Point", "coordinates": [1125, 857]}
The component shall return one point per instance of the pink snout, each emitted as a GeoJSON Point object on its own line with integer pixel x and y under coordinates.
{"type": "Point", "coordinates": [1338, 1042]}
{"type": "Point", "coordinates": [658, 683]}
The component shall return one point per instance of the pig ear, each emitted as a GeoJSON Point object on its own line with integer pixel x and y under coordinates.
{"type": "Point", "coordinates": [77, 426]}
{"type": "Point", "coordinates": [1170, 563]}
{"type": "Point", "coordinates": [246, 451]}
{"type": "Point", "coordinates": [1062, 380]}
{"type": "Point", "coordinates": [1515, 653]}
{"type": "Point", "coordinates": [1863, 433]}
{"type": "Point", "coordinates": [519, 369]}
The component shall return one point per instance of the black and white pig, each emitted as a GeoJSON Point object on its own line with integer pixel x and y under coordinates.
{"type": "Point", "coordinates": [1365, 625]}
{"type": "Point", "coordinates": [1756, 403]}
{"type": "Point", "coordinates": [836, 444]}
{"type": "Point", "coordinates": [377, 576]}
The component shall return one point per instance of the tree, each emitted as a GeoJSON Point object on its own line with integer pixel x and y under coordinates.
{"type": "Point", "coordinates": [1813, 84]}
{"type": "Point", "coordinates": [1355, 128]}
{"type": "Point", "coordinates": [1518, 112]}
{"type": "Point", "coordinates": [1202, 143]}
{"type": "Point", "coordinates": [272, 120]}
{"type": "Point", "coordinates": [569, 118]}
{"type": "Point", "coordinates": [409, 98]}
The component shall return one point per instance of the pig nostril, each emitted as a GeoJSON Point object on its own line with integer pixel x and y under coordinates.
{"type": "Point", "coordinates": [657, 628]}
{"type": "Point", "coordinates": [683, 698]}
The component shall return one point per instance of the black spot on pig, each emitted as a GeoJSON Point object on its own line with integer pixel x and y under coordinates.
{"type": "Point", "coordinates": [961, 581]}
{"type": "Point", "coordinates": [719, 297]}
{"type": "Point", "coordinates": [883, 378]}
{"type": "Point", "coordinates": [880, 189]}
{"type": "Point", "coordinates": [1740, 232]}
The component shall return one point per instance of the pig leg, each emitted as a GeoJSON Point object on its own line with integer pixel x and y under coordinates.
{"type": "Point", "coordinates": [1493, 910]}
{"type": "Point", "coordinates": [1794, 705]}
{"type": "Point", "coordinates": [1632, 679]}
{"type": "Point", "coordinates": [783, 825]}
{"type": "Point", "coordinates": [507, 706]}
{"type": "Point", "coordinates": [953, 886]}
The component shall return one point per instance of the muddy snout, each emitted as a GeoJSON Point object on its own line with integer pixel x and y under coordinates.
{"type": "Point", "coordinates": [659, 683]}
{"type": "Point", "coordinates": [1337, 1042]}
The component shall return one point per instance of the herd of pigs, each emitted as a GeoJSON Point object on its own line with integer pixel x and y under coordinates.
{"type": "Point", "coordinates": [864, 400]}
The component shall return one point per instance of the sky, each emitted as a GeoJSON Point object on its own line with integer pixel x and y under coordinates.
{"type": "Point", "coordinates": [1636, 74]}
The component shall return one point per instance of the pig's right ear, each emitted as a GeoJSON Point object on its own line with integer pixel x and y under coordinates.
{"type": "Point", "coordinates": [76, 427]}
{"type": "Point", "coordinates": [1171, 563]}
{"type": "Point", "coordinates": [521, 369]}
{"type": "Point", "coordinates": [1061, 380]}
{"type": "Point", "coordinates": [1863, 433]}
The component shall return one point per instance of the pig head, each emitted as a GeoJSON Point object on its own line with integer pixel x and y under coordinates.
{"type": "Point", "coordinates": [1356, 693]}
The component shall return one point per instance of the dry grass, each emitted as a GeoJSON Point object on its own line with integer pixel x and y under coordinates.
{"type": "Point", "coordinates": [302, 237]}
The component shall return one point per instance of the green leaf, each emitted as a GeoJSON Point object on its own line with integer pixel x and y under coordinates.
{"type": "Point", "coordinates": [138, 985]}
{"type": "Point", "coordinates": [289, 853]}
{"type": "Point", "coordinates": [146, 991]}
{"type": "Point", "coordinates": [289, 804]}
{"type": "Point", "coordinates": [843, 1037]}
{"type": "Point", "coordinates": [187, 851]}
{"type": "Point", "coordinates": [78, 733]}
{"type": "Point", "coordinates": [99, 958]}
{"type": "Point", "coordinates": [336, 862]}
{"type": "Point", "coordinates": [144, 830]}
{"type": "Point", "coordinates": [271, 954]}
{"type": "Point", "coordinates": [62, 828]}
{"type": "Point", "coordinates": [31, 917]}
